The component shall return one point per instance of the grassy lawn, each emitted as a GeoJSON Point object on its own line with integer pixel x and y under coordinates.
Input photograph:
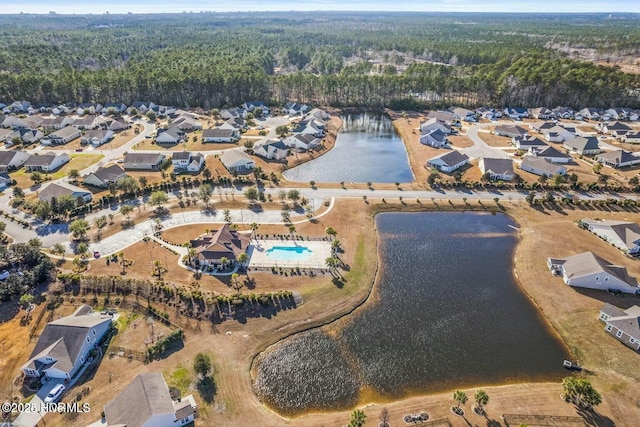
{"type": "Point", "coordinates": [78, 161]}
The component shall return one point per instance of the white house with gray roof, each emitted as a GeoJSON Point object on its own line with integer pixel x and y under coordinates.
{"type": "Point", "coordinates": [62, 136]}
{"type": "Point", "coordinates": [550, 154]}
{"type": "Point", "coordinates": [585, 146]}
{"type": "Point", "coordinates": [302, 141]}
{"type": "Point", "coordinates": [146, 402]}
{"type": "Point", "coordinates": [237, 161]}
{"type": "Point", "coordinates": [12, 160]}
{"type": "Point", "coordinates": [587, 270]}
{"type": "Point", "coordinates": [170, 136]}
{"type": "Point", "coordinates": [624, 235]}
{"type": "Point", "coordinates": [97, 137]}
{"type": "Point", "coordinates": [449, 162]}
{"type": "Point", "coordinates": [618, 159]}
{"type": "Point", "coordinates": [622, 324]}
{"type": "Point", "coordinates": [230, 134]}
{"type": "Point", "coordinates": [64, 344]}
{"type": "Point", "coordinates": [104, 176]}
{"type": "Point", "coordinates": [187, 161]}
{"type": "Point", "coordinates": [498, 169]}
{"type": "Point", "coordinates": [47, 162]}
{"type": "Point", "coordinates": [271, 150]}
{"type": "Point", "coordinates": [435, 138]}
{"type": "Point", "coordinates": [541, 166]}
{"type": "Point", "coordinates": [59, 189]}
{"type": "Point", "coordinates": [143, 161]}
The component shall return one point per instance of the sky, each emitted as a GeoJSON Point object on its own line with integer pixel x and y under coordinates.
{"type": "Point", "coordinates": [174, 6]}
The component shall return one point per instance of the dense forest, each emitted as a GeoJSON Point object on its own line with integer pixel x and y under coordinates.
{"type": "Point", "coordinates": [400, 60]}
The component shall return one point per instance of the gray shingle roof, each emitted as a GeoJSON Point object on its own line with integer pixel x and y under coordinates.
{"type": "Point", "coordinates": [217, 133]}
{"type": "Point", "coordinates": [110, 173]}
{"type": "Point", "coordinates": [147, 395]}
{"type": "Point", "coordinates": [618, 157]}
{"type": "Point", "coordinates": [581, 143]}
{"type": "Point", "coordinates": [588, 263]}
{"type": "Point", "coordinates": [451, 158]}
{"type": "Point", "coordinates": [143, 158]}
{"type": "Point", "coordinates": [541, 164]}
{"type": "Point", "coordinates": [498, 166]}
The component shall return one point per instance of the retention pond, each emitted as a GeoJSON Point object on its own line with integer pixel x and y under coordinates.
{"type": "Point", "coordinates": [446, 313]}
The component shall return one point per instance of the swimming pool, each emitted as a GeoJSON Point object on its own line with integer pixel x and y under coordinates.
{"type": "Point", "coordinates": [288, 253]}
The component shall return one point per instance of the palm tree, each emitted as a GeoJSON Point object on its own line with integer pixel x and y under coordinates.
{"type": "Point", "coordinates": [460, 397]}
{"type": "Point", "coordinates": [292, 230]}
{"type": "Point", "coordinates": [126, 210]}
{"type": "Point", "coordinates": [481, 398]}
{"type": "Point", "coordinates": [157, 266]}
{"type": "Point", "coordinates": [331, 232]}
{"type": "Point", "coordinates": [243, 258]}
{"type": "Point", "coordinates": [227, 215]}
{"type": "Point", "coordinates": [191, 254]}
{"type": "Point", "coordinates": [253, 226]}
{"type": "Point", "coordinates": [358, 418]}
{"type": "Point", "coordinates": [336, 245]}
{"type": "Point", "coordinates": [333, 263]}
{"type": "Point", "coordinates": [223, 262]}
{"type": "Point", "coordinates": [205, 193]}
{"type": "Point", "coordinates": [235, 283]}
{"type": "Point", "coordinates": [123, 262]}
{"type": "Point", "coordinates": [58, 249]}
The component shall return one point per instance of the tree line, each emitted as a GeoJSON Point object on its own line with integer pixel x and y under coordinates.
{"type": "Point", "coordinates": [211, 61]}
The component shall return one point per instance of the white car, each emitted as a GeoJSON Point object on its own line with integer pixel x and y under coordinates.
{"type": "Point", "coordinates": [54, 394]}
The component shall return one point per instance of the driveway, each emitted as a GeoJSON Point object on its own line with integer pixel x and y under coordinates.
{"type": "Point", "coordinates": [480, 148]}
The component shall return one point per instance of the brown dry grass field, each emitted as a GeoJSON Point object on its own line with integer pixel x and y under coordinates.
{"type": "Point", "coordinates": [494, 140]}
{"type": "Point", "coordinates": [612, 368]}
{"type": "Point", "coordinates": [193, 143]}
{"type": "Point", "coordinates": [118, 141]}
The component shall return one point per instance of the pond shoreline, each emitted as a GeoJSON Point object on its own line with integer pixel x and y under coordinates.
{"type": "Point", "coordinates": [368, 396]}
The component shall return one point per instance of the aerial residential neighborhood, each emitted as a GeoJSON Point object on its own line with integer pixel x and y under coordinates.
{"type": "Point", "coordinates": [314, 218]}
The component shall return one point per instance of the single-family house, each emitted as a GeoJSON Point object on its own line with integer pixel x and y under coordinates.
{"type": "Point", "coordinates": [14, 122]}
{"type": "Point", "coordinates": [222, 243]}
{"type": "Point", "coordinates": [488, 113]}
{"type": "Point", "coordinates": [510, 131]}
{"type": "Point", "coordinates": [236, 123]}
{"type": "Point", "coordinates": [435, 124]}
{"type": "Point", "coordinates": [542, 126]}
{"type": "Point", "coordinates": [187, 161]}
{"type": "Point", "coordinates": [583, 145]}
{"type": "Point", "coordinates": [623, 235]}
{"type": "Point", "coordinates": [232, 113]}
{"type": "Point", "coordinates": [237, 161]}
{"type": "Point", "coordinates": [186, 123]}
{"type": "Point", "coordinates": [115, 125]}
{"type": "Point", "coordinates": [220, 135]}
{"type": "Point", "coordinates": [462, 114]}
{"type": "Point", "coordinates": [55, 122]}
{"type": "Point", "coordinates": [498, 169]}
{"type": "Point", "coordinates": [517, 113]}
{"type": "Point", "coordinates": [87, 122]}
{"type": "Point", "coordinates": [295, 108]}
{"type": "Point", "coordinates": [47, 162]}
{"type": "Point", "coordinates": [5, 181]}
{"type": "Point", "coordinates": [64, 344]}
{"type": "Point", "coordinates": [615, 129]}
{"type": "Point", "coordinates": [444, 116]}
{"type": "Point", "coordinates": [587, 270]}
{"type": "Point", "coordinates": [319, 115]}
{"type": "Point", "coordinates": [618, 113]}
{"type": "Point", "coordinates": [631, 138]}
{"type": "Point", "coordinates": [59, 189]}
{"type": "Point", "coordinates": [62, 136]}
{"type": "Point", "coordinates": [526, 142]}
{"type": "Point", "coordinates": [541, 166]}
{"type": "Point", "coordinates": [4, 134]}
{"type": "Point", "coordinates": [170, 136]}
{"type": "Point", "coordinates": [589, 113]}
{"type": "Point", "coordinates": [97, 137]}
{"type": "Point", "coordinates": [309, 127]}
{"type": "Point", "coordinates": [622, 324]}
{"type": "Point", "coordinates": [449, 162]}
{"type": "Point", "coordinates": [104, 176]}
{"type": "Point", "coordinates": [271, 150]}
{"type": "Point", "coordinates": [542, 113]}
{"type": "Point", "coordinates": [551, 154]}
{"type": "Point", "coordinates": [142, 107]}
{"type": "Point", "coordinates": [564, 112]}
{"type": "Point", "coordinates": [20, 106]}
{"type": "Point", "coordinates": [26, 135]}
{"type": "Point", "coordinates": [143, 161]}
{"type": "Point", "coordinates": [559, 134]}
{"type": "Point", "coordinates": [435, 138]}
{"type": "Point", "coordinates": [252, 105]}
{"type": "Point", "coordinates": [618, 158]}
{"type": "Point", "coordinates": [146, 402]}
{"type": "Point", "coordinates": [88, 108]}
{"type": "Point", "coordinates": [302, 141]}
{"type": "Point", "coordinates": [114, 107]}
{"type": "Point", "coordinates": [11, 160]}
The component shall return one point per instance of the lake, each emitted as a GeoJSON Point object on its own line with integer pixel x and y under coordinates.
{"type": "Point", "coordinates": [367, 149]}
{"type": "Point", "coordinates": [449, 315]}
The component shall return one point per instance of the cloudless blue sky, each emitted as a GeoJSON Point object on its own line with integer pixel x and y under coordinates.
{"type": "Point", "coordinates": [160, 6]}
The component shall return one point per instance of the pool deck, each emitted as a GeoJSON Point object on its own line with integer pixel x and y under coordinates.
{"type": "Point", "coordinates": [320, 251]}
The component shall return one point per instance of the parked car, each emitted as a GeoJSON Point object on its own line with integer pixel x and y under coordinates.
{"type": "Point", "coordinates": [96, 254]}
{"type": "Point", "coordinates": [54, 394]}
